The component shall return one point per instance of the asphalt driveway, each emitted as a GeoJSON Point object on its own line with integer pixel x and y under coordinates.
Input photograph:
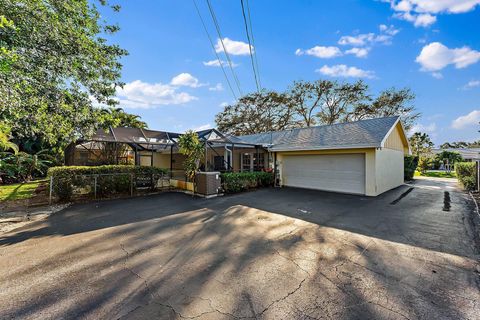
{"type": "Point", "coordinates": [268, 254]}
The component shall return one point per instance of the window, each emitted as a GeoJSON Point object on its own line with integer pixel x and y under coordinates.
{"type": "Point", "coordinates": [246, 162]}
{"type": "Point", "coordinates": [259, 161]}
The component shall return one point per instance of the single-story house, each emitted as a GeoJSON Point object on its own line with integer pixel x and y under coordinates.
{"type": "Point", "coordinates": [362, 157]}
{"type": "Point", "coordinates": [468, 154]}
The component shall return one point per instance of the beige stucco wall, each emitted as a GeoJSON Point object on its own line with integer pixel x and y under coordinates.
{"type": "Point", "coordinates": [388, 169]}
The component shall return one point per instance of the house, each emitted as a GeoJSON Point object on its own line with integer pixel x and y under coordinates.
{"type": "Point", "coordinates": [363, 157]}
{"type": "Point", "coordinates": [468, 154]}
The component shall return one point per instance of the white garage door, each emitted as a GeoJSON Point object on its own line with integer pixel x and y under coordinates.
{"type": "Point", "coordinates": [340, 172]}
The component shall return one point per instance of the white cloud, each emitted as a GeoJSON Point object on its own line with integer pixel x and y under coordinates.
{"type": "Point", "coordinates": [436, 56]}
{"type": "Point", "coordinates": [217, 87]}
{"type": "Point", "coordinates": [143, 95]}
{"type": "Point", "coordinates": [216, 63]}
{"type": "Point", "coordinates": [422, 12]}
{"type": "Point", "coordinates": [186, 80]}
{"type": "Point", "coordinates": [358, 52]}
{"type": "Point", "coordinates": [358, 40]}
{"type": "Point", "coordinates": [385, 37]}
{"type": "Point", "coordinates": [437, 75]}
{"type": "Point", "coordinates": [419, 20]}
{"type": "Point", "coordinates": [341, 70]}
{"type": "Point", "coordinates": [236, 48]}
{"type": "Point", "coordinates": [223, 104]}
{"type": "Point", "coordinates": [472, 84]}
{"type": "Point", "coordinates": [390, 30]}
{"type": "Point", "coordinates": [202, 127]}
{"type": "Point", "coordinates": [320, 52]}
{"type": "Point", "coordinates": [473, 118]}
{"type": "Point", "coordinates": [430, 128]}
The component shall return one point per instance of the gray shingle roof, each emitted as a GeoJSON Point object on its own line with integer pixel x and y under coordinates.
{"type": "Point", "coordinates": [358, 134]}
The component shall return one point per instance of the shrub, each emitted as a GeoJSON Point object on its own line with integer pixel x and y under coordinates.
{"type": "Point", "coordinates": [68, 179]}
{"type": "Point", "coordinates": [410, 165]}
{"type": "Point", "coordinates": [466, 174]}
{"type": "Point", "coordinates": [424, 163]}
{"type": "Point", "coordinates": [233, 182]}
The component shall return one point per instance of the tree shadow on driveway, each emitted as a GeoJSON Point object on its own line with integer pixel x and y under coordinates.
{"type": "Point", "coordinates": [274, 254]}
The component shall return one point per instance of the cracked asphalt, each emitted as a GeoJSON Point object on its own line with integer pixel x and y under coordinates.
{"type": "Point", "coordinates": [267, 254]}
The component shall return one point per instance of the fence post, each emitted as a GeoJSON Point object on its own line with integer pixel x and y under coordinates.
{"type": "Point", "coordinates": [131, 184]}
{"type": "Point", "coordinates": [478, 174]}
{"type": "Point", "coordinates": [51, 191]}
{"type": "Point", "coordinates": [95, 187]}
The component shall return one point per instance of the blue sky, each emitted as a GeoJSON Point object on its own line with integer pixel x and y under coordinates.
{"type": "Point", "coordinates": [430, 46]}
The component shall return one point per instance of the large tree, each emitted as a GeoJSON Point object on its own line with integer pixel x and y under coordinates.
{"type": "Point", "coordinates": [54, 60]}
{"type": "Point", "coordinates": [319, 102]}
{"type": "Point", "coordinates": [420, 143]}
{"type": "Point", "coordinates": [325, 101]}
{"type": "Point", "coordinates": [256, 112]}
{"type": "Point", "coordinates": [390, 102]}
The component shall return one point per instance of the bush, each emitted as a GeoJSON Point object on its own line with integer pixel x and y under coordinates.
{"type": "Point", "coordinates": [467, 175]}
{"type": "Point", "coordinates": [69, 179]}
{"type": "Point", "coordinates": [233, 182]}
{"type": "Point", "coordinates": [424, 163]}
{"type": "Point", "coordinates": [410, 165]}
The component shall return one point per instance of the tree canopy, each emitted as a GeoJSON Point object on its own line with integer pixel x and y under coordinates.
{"type": "Point", "coordinates": [55, 60]}
{"type": "Point", "coordinates": [460, 144]}
{"type": "Point", "coordinates": [309, 103]}
{"type": "Point", "coordinates": [256, 112]}
{"type": "Point", "coordinates": [420, 144]}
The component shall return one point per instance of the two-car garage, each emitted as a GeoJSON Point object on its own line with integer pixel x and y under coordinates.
{"type": "Point", "coordinates": [330, 172]}
{"type": "Point", "coordinates": [364, 157]}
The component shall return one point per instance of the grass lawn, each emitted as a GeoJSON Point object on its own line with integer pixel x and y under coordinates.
{"type": "Point", "coordinates": [18, 191]}
{"type": "Point", "coordinates": [437, 174]}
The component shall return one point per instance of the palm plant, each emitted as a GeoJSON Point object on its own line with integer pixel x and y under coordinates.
{"type": "Point", "coordinates": [23, 165]}
{"type": "Point", "coordinates": [5, 143]}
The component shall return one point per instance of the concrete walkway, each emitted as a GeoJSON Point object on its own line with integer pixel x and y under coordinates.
{"type": "Point", "coordinates": [269, 254]}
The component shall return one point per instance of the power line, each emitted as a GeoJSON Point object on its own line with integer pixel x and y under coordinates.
{"type": "Point", "coordinates": [217, 27]}
{"type": "Point", "coordinates": [213, 47]}
{"type": "Point", "coordinates": [253, 42]}
{"type": "Point", "coordinates": [250, 46]}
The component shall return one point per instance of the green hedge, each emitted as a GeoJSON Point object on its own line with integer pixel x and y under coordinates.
{"type": "Point", "coordinates": [410, 165]}
{"type": "Point", "coordinates": [69, 180]}
{"type": "Point", "coordinates": [466, 174]}
{"type": "Point", "coordinates": [233, 182]}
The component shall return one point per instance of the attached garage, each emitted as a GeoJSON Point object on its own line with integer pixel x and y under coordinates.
{"type": "Point", "coordinates": [363, 157]}
{"type": "Point", "coordinates": [331, 172]}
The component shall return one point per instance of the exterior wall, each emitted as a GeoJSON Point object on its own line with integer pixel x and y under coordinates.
{"type": "Point", "coordinates": [397, 140]}
{"type": "Point", "coordinates": [370, 181]}
{"type": "Point", "coordinates": [389, 169]}
{"type": "Point", "coordinates": [236, 155]}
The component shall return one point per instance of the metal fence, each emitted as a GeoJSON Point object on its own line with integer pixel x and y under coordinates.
{"type": "Point", "coordinates": [110, 185]}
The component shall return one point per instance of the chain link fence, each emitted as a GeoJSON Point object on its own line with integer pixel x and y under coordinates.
{"type": "Point", "coordinates": [105, 186]}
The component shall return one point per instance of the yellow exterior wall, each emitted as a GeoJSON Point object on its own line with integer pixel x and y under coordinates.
{"type": "Point", "coordinates": [388, 169]}
{"type": "Point", "coordinates": [397, 140]}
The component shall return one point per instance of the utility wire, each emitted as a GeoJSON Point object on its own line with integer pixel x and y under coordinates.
{"type": "Point", "coordinates": [213, 47]}
{"type": "Point", "coordinates": [217, 27]}
{"type": "Point", "coordinates": [253, 42]}
{"type": "Point", "coordinates": [250, 46]}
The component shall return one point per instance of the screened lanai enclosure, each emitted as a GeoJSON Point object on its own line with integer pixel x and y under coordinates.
{"type": "Point", "coordinates": [144, 147]}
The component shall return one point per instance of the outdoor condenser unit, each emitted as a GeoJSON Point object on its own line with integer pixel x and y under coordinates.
{"type": "Point", "coordinates": [208, 183]}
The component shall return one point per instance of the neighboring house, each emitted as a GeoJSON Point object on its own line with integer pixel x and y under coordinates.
{"type": "Point", "coordinates": [363, 157]}
{"type": "Point", "coordinates": [468, 154]}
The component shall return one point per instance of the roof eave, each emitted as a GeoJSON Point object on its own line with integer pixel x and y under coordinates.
{"type": "Point", "coordinates": [315, 148]}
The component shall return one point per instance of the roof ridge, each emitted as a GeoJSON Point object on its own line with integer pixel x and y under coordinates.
{"type": "Point", "coordinates": [319, 126]}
